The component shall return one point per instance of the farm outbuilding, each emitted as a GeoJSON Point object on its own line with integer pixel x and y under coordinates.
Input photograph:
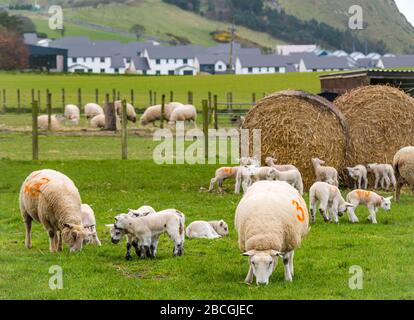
{"type": "Point", "coordinates": [340, 83]}
{"type": "Point", "coordinates": [47, 58]}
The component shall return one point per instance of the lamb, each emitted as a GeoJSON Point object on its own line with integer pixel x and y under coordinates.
{"type": "Point", "coordinates": [142, 211]}
{"type": "Point", "coordinates": [244, 176]}
{"type": "Point", "coordinates": [131, 114]}
{"type": "Point", "coordinates": [51, 198]}
{"type": "Point", "coordinates": [330, 201]}
{"type": "Point", "coordinates": [383, 173]}
{"type": "Point", "coordinates": [183, 113]}
{"type": "Point", "coordinates": [43, 122]}
{"type": "Point", "coordinates": [207, 229]}
{"type": "Point", "coordinates": [292, 177]}
{"type": "Point", "coordinates": [371, 200]}
{"type": "Point", "coordinates": [271, 221]}
{"type": "Point", "coordinates": [93, 110]}
{"type": "Point", "coordinates": [359, 175]}
{"type": "Point", "coordinates": [325, 174]}
{"type": "Point", "coordinates": [72, 113]}
{"type": "Point", "coordinates": [89, 223]}
{"type": "Point", "coordinates": [98, 121]}
{"type": "Point", "coordinates": [403, 165]}
{"type": "Point", "coordinates": [147, 230]}
{"type": "Point", "coordinates": [221, 175]}
{"type": "Point", "coordinates": [270, 162]}
{"type": "Point", "coordinates": [153, 113]}
{"type": "Point", "coordinates": [264, 173]}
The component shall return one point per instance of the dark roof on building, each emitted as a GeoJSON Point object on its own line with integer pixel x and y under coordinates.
{"type": "Point", "coordinates": [330, 62]}
{"type": "Point", "coordinates": [401, 61]}
{"type": "Point", "coordinates": [262, 60]}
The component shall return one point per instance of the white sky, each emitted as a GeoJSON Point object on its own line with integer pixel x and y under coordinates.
{"type": "Point", "coordinates": [407, 8]}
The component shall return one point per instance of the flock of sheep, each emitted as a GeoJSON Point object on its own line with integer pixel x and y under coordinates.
{"type": "Point", "coordinates": [271, 219]}
{"type": "Point", "coordinates": [173, 112]}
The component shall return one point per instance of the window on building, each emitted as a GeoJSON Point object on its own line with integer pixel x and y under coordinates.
{"type": "Point", "coordinates": [90, 70]}
{"type": "Point", "coordinates": [116, 70]}
{"type": "Point", "coordinates": [79, 70]}
{"type": "Point", "coordinates": [158, 61]}
{"type": "Point", "coordinates": [128, 60]}
{"type": "Point", "coordinates": [220, 67]}
{"type": "Point", "coordinates": [74, 60]}
{"type": "Point", "coordinates": [277, 69]}
{"type": "Point", "coordinates": [103, 70]}
{"type": "Point", "coordinates": [188, 73]}
{"type": "Point", "coordinates": [158, 72]}
{"type": "Point", "coordinates": [250, 69]}
{"type": "Point", "coordinates": [102, 60]}
{"type": "Point", "coordinates": [185, 61]}
{"type": "Point", "coordinates": [171, 72]}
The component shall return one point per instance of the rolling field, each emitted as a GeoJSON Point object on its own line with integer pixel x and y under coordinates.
{"type": "Point", "coordinates": [242, 86]}
{"type": "Point", "coordinates": [208, 269]}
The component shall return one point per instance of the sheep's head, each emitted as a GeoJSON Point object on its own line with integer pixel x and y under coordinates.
{"type": "Point", "coordinates": [75, 236]}
{"type": "Point", "coordinates": [141, 212]}
{"type": "Point", "coordinates": [116, 230]}
{"type": "Point", "coordinates": [263, 263]}
{"type": "Point", "coordinates": [386, 203]}
{"type": "Point", "coordinates": [222, 228]}
{"type": "Point", "coordinates": [371, 166]}
{"type": "Point", "coordinates": [353, 173]}
{"type": "Point", "coordinates": [144, 120]}
{"type": "Point", "coordinates": [132, 118]}
{"type": "Point", "coordinates": [317, 161]}
{"type": "Point", "coordinates": [270, 161]}
{"type": "Point", "coordinates": [272, 175]}
{"type": "Point", "coordinates": [343, 207]}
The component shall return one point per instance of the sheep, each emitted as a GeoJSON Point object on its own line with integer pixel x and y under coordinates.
{"type": "Point", "coordinates": [43, 122]}
{"type": "Point", "coordinates": [98, 121]}
{"type": "Point", "coordinates": [403, 165]}
{"type": "Point", "coordinates": [371, 200]}
{"type": "Point", "coordinates": [271, 220]}
{"type": "Point", "coordinates": [142, 211]}
{"type": "Point", "coordinates": [221, 175]}
{"type": "Point", "coordinates": [89, 223]}
{"type": "Point", "coordinates": [183, 113]}
{"type": "Point", "coordinates": [244, 176]}
{"type": "Point", "coordinates": [292, 177]}
{"type": "Point", "coordinates": [270, 162]}
{"type": "Point", "coordinates": [207, 229]}
{"type": "Point", "coordinates": [359, 175]}
{"type": "Point", "coordinates": [330, 201]}
{"type": "Point", "coordinates": [72, 113]}
{"type": "Point", "coordinates": [147, 230]}
{"type": "Point", "coordinates": [93, 110]}
{"type": "Point", "coordinates": [264, 173]}
{"type": "Point", "coordinates": [131, 114]}
{"type": "Point", "coordinates": [383, 173]}
{"type": "Point", "coordinates": [325, 174]}
{"type": "Point", "coordinates": [51, 198]}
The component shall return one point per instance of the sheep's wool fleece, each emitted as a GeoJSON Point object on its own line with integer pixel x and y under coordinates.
{"type": "Point", "coordinates": [48, 195]}
{"type": "Point", "coordinates": [271, 215]}
{"type": "Point", "coordinates": [404, 164]}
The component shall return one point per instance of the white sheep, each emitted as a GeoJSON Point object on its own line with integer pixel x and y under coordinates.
{"type": "Point", "coordinates": [292, 177]}
{"type": "Point", "coordinates": [52, 198]}
{"type": "Point", "coordinates": [271, 162]}
{"type": "Point", "coordinates": [264, 173]}
{"type": "Point", "coordinates": [271, 221]}
{"type": "Point", "coordinates": [221, 175]}
{"type": "Point", "coordinates": [183, 113]}
{"type": "Point", "coordinates": [131, 114]}
{"type": "Point", "coordinates": [244, 176]}
{"type": "Point", "coordinates": [207, 229]}
{"type": "Point", "coordinates": [384, 174]}
{"type": "Point", "coordinates": [93, 110]}
{"type": "Point", "coordinates": [42, 122]}
{"type": "Point", "coordinates": [148, 229]}
{"type": "Point", "coordinates": [331, 202]}
{"type": "Point", "coordinates": [325, 174]}
{"type": "Point", "coordinates": [98, 121]}
{"type": "Point", "coordinates": [371, 200]}
{"type": "Point", "coordinates": [89, 223]}
{"type": "Point", "coordinates": [403, 165]}
{"type": "Point", "coordinates": [142, 211]}
{"type": "Point", "coordinates": [72, 113]}
{"type": "Point", "coordinates": [359, 174]}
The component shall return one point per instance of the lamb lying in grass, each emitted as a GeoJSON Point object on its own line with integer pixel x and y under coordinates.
{"type": "Point", "coordinates": [371, 200]}
{"type": "Point", "coordinates": [207, 229]}
{"type": "Point", "coordinates": [359, 175]}
{"type": "Point", "coordinates": [383, 173]}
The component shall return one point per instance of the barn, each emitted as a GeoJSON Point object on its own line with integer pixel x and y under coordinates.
{"type": "Point", "coordinates": [47, 58]}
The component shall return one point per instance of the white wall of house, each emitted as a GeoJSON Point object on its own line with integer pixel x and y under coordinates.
{"type": "Point", "coordinates": [262, 70]}
{"type": "Point", "coordinates": [220, 66]}
{"type": "Point", "coordinates": [91, 64]}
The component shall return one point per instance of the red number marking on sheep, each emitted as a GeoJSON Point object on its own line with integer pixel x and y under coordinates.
{"type": "Point", "coordinates": [33, 188]}
{"type": "Point", "coordinates": [301, 216]}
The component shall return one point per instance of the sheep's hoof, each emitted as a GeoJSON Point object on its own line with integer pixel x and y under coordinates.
{"type": "Point", "coordinates": [128, 257]}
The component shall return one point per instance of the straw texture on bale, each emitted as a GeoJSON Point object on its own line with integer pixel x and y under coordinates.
{"type": "Point", "coordinates": [297, 126]}
{"type": "Point", "coordinates": [380, 120]}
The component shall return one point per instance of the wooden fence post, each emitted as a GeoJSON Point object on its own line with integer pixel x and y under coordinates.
{"type": "Point", "coordinates": [35, 139]}
{"type": "Point", "coordinates": [97, 96]}
{"type": "Point", "coordinates": [4, 99]}
{"type": "Point", "coordinates": [150, 98]}
{"type": "Point", "coordinates": [205, 127]}
{"type": "Point", "coordinates": [110, 115]}
{"type": "Point", "coordinates": [107, 98]}
{"type": "Point", "coordinates": [49, 111]}
{"type": "Point", "coordinates": [118, 96]}
{"type": "Point", "coordinates": [63, 100]}
{"type": "Point", "coordinates": [171, 96]}
{"type": "Point", "coordinates": [124, 131]}
{"type": "Point", "coordinates": [253, 98]}
{"type": "Point", "coordinates": [39, 105]}
{"type": "Point", "coordinates": [32, 96]}
{"type": "Point", "coordinates": [132, 97]}
{"type": "Point", "coordinates": [113, 95]}
{"type": "Point", "coordinates": [215, 113]}
{"type": "Point", "coordinates": [162, 111]}
{"type": "Point", "coordinates": [80, 99]}
{"type": "Point", "coordinates": [2, 109]}
{"type": "Point", "coordinates": [18, 101]}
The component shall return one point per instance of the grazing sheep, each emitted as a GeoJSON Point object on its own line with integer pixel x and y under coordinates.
{"type": "Point", "coordinates": [330, 201]}
{"type": "Point", "coordinates": [359, 175]}
{"type": "Point", "coordinates": [270, 162]}
{"type": "Point", "coordinates": [147, 230]}
{"type": "Point", "coordinates": [371, 200]}
{"type": "Point", "coordinates": [151, 114]}
{"type": "Point", "coordinates": [325, 174]}
{"type": "Point", "coordinates": [221, 175]}
{"type": "Point", "coordinates": [72, 113]}
{"type": "Point", "coordinates": [207, 229]}
{"type": "Point", "coordinates": [89, 223]}
{"type": "Point", "coordinates": [93, 110]}
{"type": "Point", "coordinates": [142, 211]}
{"type": "Point", "coordinates": [383, 173]}
{"type": "Point", "coordinates": [43, 121]}
{"type": "Point", "coordinates": [131, 114]}
{"type": "Point", "coordinates": [184, 113]}
{"type": "Point", "coordinates": [98, 121]}
{"type": "Point", "coordinates": [52, 198]}
{"type": "Point", "coordinates": [271, 221]}
{"type": "Point", "coordinates": [404, 169]}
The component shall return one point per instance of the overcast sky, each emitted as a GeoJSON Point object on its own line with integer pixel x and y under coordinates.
{"type": "Point", "coordinates": [407, 8]}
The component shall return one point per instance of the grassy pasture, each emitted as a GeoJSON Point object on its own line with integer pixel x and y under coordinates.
{"type": "Point", "coordinates": [208, 269]}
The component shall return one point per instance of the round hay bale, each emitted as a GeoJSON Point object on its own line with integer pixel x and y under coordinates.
{"type": "Point", "coordinates": [380, 120]}
{"type": "Point", "coordinates": [297, 126]}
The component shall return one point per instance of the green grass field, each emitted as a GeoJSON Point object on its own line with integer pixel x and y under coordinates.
{"type": "Point", "coordinates": [208, 269]}
{"type": "Point", "coordinates": [242, 86]}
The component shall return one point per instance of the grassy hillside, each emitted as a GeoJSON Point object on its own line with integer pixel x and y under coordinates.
{"type": "Point", "coordinates": [381, 17]}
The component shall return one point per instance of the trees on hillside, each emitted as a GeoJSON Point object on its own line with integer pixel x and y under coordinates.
{"type": "Point", "coordinates": [13, 52]}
